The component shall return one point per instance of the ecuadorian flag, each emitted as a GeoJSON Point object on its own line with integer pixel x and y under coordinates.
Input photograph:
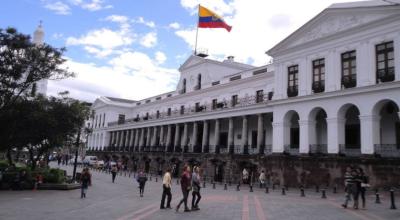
{"type": "Point", "coordinates": [208, 19]}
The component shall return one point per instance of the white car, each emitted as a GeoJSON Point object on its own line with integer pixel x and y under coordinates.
{"type": "Point", "coordinates": [100, 164]}
{"type": "Point", "coordinates": [90, 160]}
{"type": "Point", "coordinates": [79, 161]}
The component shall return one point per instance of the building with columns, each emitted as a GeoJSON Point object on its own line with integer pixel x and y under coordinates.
{"type": "Point", "coordinates": [330, 99]}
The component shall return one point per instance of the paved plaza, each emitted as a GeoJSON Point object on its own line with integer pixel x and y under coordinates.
{"type": "Point", "coordinates": [121, 201]}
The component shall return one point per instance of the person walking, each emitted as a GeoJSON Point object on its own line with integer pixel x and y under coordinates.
{"type": "Point", "coordinates": [86, 181]}
{"type": "Point", "coordinates": [141, 179]}
{"type": "Point", "coordinates": [186, 187]}
{"type": "Point", "coordinates": [262, 178]}
{"type": "Point", "coordinates": [167, 182]}
{"type": "Point", "coordinates": [114, 171]}
{"type": "Point", "coordinates": [364, 184]}
{"type": "Point", "coordinates": [356, 187]}
{"type": "Point", "coordinates": [196, 189]}
{"type": "Point", "coordinates": [245, 176]}
{"type": "Point", "coordinates": [348, 186]}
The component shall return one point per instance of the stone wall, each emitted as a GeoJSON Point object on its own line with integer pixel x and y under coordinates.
{"type": "Point", "coordinates": [291, 171]}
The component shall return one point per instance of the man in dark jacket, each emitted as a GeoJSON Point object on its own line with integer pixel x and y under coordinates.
{"type": "Point", "coordinates": [142, 178]}
{"type": "Point", "coordinates": [186, 187]}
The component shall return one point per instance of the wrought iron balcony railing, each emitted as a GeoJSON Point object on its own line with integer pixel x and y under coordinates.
{"type": "Point", "coordinates": [220, 106]}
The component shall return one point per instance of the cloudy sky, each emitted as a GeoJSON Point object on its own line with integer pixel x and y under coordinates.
{"type": "Point", "coordinates": [133, 48]}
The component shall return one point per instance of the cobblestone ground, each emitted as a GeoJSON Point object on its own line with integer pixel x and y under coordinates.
{"type": "Point", "coordinates": [121, 201]}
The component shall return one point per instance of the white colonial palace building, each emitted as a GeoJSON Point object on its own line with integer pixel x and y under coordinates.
{"type": "Point", "coordinates": [333, 88]}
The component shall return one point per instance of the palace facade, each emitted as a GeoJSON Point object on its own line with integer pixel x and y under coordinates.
{"type": "Point", "coordinates": [330, 99]}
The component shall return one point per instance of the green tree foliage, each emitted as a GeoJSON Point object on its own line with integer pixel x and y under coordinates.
{"type": "Point", "coordinates": [41, 124]}
{"type": "Point", "coordinates": [23, 63]}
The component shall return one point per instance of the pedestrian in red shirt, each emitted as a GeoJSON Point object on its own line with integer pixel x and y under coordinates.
{"type": "Point", "coordinates": [186, 187]}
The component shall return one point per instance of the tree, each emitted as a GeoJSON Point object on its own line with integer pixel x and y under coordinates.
{"type": "Point", "coordinates": [41, 124]}
{"type": "Point", "coordinates": [22, 64]}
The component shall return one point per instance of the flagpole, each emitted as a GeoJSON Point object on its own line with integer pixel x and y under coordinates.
{"type": "Point", "coordinates": [197, 30]}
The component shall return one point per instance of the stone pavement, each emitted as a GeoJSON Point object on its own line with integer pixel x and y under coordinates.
{"type": "Point", "coordinates": [121, 201]}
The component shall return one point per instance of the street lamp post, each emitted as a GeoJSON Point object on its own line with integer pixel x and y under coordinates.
{"type": "Point", "coordinates": [76, 153]}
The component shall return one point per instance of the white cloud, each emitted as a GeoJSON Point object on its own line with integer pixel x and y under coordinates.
{"type": "Point", "coordinates": [91, 5]}
{"type": "Point", "coordinates": [57, 36]}
{"type": "Point", "coordinates": [160, 57]}
{"type": "Point", "coordinates": [141, 20]}
{"type": "Point", "coordinates": [102, 42]}
{"type": "Point", "coordinates": [257, 26]}
{"type": "Point", "coordinates": [129, 75]}
{"type": "Point", "coordinates": [174, 25]}
{"type": "Point", "coordinates": [58, 7]}
{"type": "Point", "coordinates": [117, 18]}
{"type": "Point", "coordinates": [149, 40]}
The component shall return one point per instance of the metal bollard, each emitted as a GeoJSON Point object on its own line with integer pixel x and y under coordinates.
{"type": "Point", "coordinates": [316, 188]}
{"type": "Point", "coordinates": [238, 187]}
{"type": "Point", "coordinates": [323, 194]}
{"type": "Point", "coordinates": [125, 173]}
{"type": "Point", "coordinates": [392, 204]}
{"type": "Point", "coordinates": [335, 189]}
{"type": "Point", "coordinates": [273, 186]}
{"type": "Point", "coordinates": [213, 185]}
{"type": "Point", "coordinates": [156, 179]}
{"type": "Point", "coordinates": [150, 177]}
{"type": "Point", "coordinates": [251, 187]}
{"type": "Point", "coordinates": [266, 189]}
{"type": "Point", "coordinates": [283, 191]}
{"type": "Point", "coordinates": [225, 187]}
{"type": "Point", "coordinates": [229, 183]}
{"type": "Point", "coordinates": [377, 199]}
{"type": "Point", "coordinates": [204, 184]}
{"type": "Point", "coordinates": [302, 192]}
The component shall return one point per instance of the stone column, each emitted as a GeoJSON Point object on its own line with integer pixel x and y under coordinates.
{"type": "Point", "coordinates": [306, 127]}
{"type": "Point", "coordinates": [194, 137]}
{"type": "Point", "coordinates": [335, 134]}
{"type": "Point", "coordinates": [177, 135]}
{"type": "Point", "coordinates": [277, 137]}
{"type": "Point", "coordinates": [260, 133]}
{"type": "Point", "coordinates": [245, 146]}
{"type": "Point", "coordinates": [230, 135]}
{"type": "Point", "coordinates": [369, 133]}
{"type": "Point", "coordinates": [168, 144]}
{"type": "Point", "coordinates": [111, 138]}
{"type": "Point", "coordinates": [216, 136]}
{"type": "Point", "coordinates": [161, 140]}
{"type": "Point", "coordinates": [137, 138]}
{"type": "Point", "coordinates": [204, 144]}
{"type": "Point", "coordinates": [141, 143]}
{"type": "Point", "coordinates": [185, 136]}
{"type": "Point", "coordinates": [154, 139]}
{"type": "Point", "coordinates": [132, 139]}
{"type": "Point", "coordinates": [148, 137]}
{"type": "Point", "coordinates": [127, 138]}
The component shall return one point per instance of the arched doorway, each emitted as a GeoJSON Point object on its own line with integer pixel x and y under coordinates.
{"type": "Point", "coordinates": [351, 141]}
{"type": "Point", "coordinates": [291, 132]}
{"type": "Point", "coordinates": [387, 142]}
{"type": "Point", "coordinates": [318, 131]}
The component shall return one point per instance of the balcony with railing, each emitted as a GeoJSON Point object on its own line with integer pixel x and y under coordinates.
{"type": "Point", "coordinates": [385, 75]}
{"type": "Point", "coordinates": [292, 91]}
{"type": "Point", "coordinates": [220, 106]}
{"type": "Point", "coordinates": [387, 150]}
{"type": "Point", "coordinates": [318, 149]}
{"type": "Point", "coordinates": [318, 86]}
{"type": "Point", "coordinates": [291, 150]}
{"type": "Point", "coordinates": [349, 150]}
{"type": "Point", "coordinates": [349, 81]}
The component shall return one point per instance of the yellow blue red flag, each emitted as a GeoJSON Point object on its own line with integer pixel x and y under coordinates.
{"type": "Point", "coordinates": [208, 19]}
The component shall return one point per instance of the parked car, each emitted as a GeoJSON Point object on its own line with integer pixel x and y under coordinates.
{"type": "Point", "coordinates": [99, 164]}
{"type": "Point", "coordinates": [90, 160]}
{"type": "Point", "coordinates": [79, 160]}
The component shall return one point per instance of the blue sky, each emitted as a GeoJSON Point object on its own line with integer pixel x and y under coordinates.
{"type": "Point", "coordinates": [133, 48]}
